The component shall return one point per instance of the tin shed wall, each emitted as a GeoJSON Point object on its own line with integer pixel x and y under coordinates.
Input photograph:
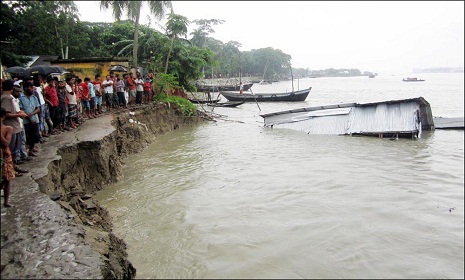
{"type": "Point", "coordinates": [381, 118]}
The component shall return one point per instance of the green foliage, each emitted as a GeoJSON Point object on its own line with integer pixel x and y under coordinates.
{"type": "Point", "coordinates": [165, 83]}
{"type": "Point", "coordinates": [186, 107]}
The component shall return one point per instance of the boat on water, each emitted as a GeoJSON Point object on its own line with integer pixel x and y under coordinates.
{"type": "Point", "coordinates": [387, 119]}
{"type": "Point", "coordinates": [219, 87]}
{"type": "Point", "coordinates": [203, 97]}
{"type": "Point", "coordinates": [299, 95]}
{"type": "Point", "coordinates": [204, 101]}
{"type": "Point", "coordinates": [371, 76]}
{"type": "Point", "coordinates": [413, 80]}
{"type": "Point", "coordinates": [231, 104]}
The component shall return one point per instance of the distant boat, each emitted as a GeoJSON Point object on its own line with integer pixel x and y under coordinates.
{"type": "Point", "coordinates": [449, 123]}
{"type": "Point", "coordinates": [299, 95]}
{"type": "Point", "coordinates": [371, 76]}
{"type": "Point", "coordinates": [413, 80]}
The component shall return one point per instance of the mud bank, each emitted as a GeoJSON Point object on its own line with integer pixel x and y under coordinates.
{"type": "Point", "coordinates": [56, 229]}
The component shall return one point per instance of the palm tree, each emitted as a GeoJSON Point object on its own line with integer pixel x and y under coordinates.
{"type": "Point", "coordinates": [132, 8]}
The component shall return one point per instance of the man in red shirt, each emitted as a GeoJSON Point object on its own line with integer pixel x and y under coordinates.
{"type": "Point", "coordinates": [131, 89]}
{"type": "Point", "coordinates": [51, 97]}
{"type": "Point", "coordinates": [85, 98]}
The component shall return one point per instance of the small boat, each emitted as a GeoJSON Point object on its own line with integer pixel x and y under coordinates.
{"type": "Point", "coordinates": [204, 101]}
{"type": "Point", "coordinates": [226, 87]}
{"type": "Point", "coordinates": [371, 76]}
{"type": "Point", "coordinates": [299, 95]}
{"type": "Point", "coordinates": [226, 104]}
{"type": "Point", "coordinates": [203, 97]}
{"type": "Point", "coordinates": [245, 86]}
{"type": "Point", "coordinates": [413, 80]}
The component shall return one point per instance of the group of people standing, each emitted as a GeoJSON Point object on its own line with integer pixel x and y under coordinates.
{"type": "Point", "coordinates": [37, 107]}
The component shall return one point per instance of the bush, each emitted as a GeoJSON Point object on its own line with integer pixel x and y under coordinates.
{"type": "Point", "coordinates": [186, 107]}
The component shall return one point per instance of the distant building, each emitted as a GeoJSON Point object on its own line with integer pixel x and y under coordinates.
{"type": "Point", "coordinates": [89, 67]}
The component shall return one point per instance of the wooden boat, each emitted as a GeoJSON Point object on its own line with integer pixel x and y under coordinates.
{"type": "Point", "coordinates": [245, 86]}
{"type": "Point", "coordinates": [299, 95]}
{"type": "Point", "coordinates": [413, 80]}
{"type": "Point", "coordinates": [388, 119]}
{"type": "Point", "coordinates": [204, 101]}
{"type": "Point", "coordinates": [217, 87]}
{"type": "Point", "coordinates": [203, 97]}
{"type": "Point", "coordinates": [226, 104]}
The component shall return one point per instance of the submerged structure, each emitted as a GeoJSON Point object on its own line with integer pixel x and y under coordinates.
{"type": "Point", "coordinates": [395, 118]}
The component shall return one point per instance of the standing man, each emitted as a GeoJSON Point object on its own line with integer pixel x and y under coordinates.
{"type": "Point", "coordinates": [72, 102]}
{"type": "Point", "coordinates": [51, 98]}
{"type": "Point", "coordinates": [21, 156]}
{"type": "Point", "coordinates": [29, 103]}
{"type": "Point", "coordinates": [62, 106]}
{"type": "Point", "coordinates": [13, 118]}
{"type": "Point", "coordinates": [98, 93]}
{"type": "Point", "coordinates": [120, 92]}
{"type": "Point", "coordinates": [108, 92]}
{"type": "Point", "coordinates": [38, 93]}
{"type": "Point", "coordinates": [131, 89]}
{"type": "Point", "coordinates": [85, 97]}
{"type": "Point", "coordinates": [139, 89]}
{"type": "Point", "coordinates": [91, 97]}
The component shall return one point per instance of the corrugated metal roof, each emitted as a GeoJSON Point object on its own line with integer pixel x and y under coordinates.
{"type": "Point", "coordinates": [42, 60]}
{"type": "Point", "coordinates": [419, 100]}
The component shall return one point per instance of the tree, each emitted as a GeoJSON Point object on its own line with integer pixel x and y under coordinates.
{"type": "Point", "coordinates": [132, 9]}
{"type": "Point", "coordinates": [176, 26]}
{"type": "Point", "coordinates": [200, 35]}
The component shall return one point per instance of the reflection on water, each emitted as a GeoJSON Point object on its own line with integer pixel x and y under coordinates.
{"type": "Point", "coordinates": [233, 199]}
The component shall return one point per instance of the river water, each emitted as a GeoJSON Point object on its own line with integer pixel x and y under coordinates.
{"type": "Point", "coordinates": [232, 199]}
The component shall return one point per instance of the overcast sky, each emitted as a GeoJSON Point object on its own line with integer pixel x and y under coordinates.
{"type": "Point", "coordinates": [386, 37]}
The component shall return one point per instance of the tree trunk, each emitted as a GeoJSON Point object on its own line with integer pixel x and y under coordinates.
{"type": "Point", "coordinates": [169, 53]}
{"type": "Point", "coordinates": [135, 45]}
{"type": "Point", "coordinates": [61, 42]}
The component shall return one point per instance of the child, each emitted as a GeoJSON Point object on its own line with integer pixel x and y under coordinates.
{"type": "Point", "coordinates": [7, 169]}
{"type": "Point", "coordinates": [147, 89]}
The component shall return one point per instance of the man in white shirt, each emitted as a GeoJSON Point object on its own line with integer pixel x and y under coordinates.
{"type": "Point", "coordinates": [108, 92]}
{"type": "Point", "coordinates": [139, 88]}
{"type": "Point", "coordinates": [72, 102]}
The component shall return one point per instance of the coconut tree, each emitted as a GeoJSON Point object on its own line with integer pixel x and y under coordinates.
{"type": "Point", "coordinates": [132, 9]}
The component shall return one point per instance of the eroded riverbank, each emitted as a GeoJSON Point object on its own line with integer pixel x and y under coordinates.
{"type": "Point", "coordinates": [56, 229]}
